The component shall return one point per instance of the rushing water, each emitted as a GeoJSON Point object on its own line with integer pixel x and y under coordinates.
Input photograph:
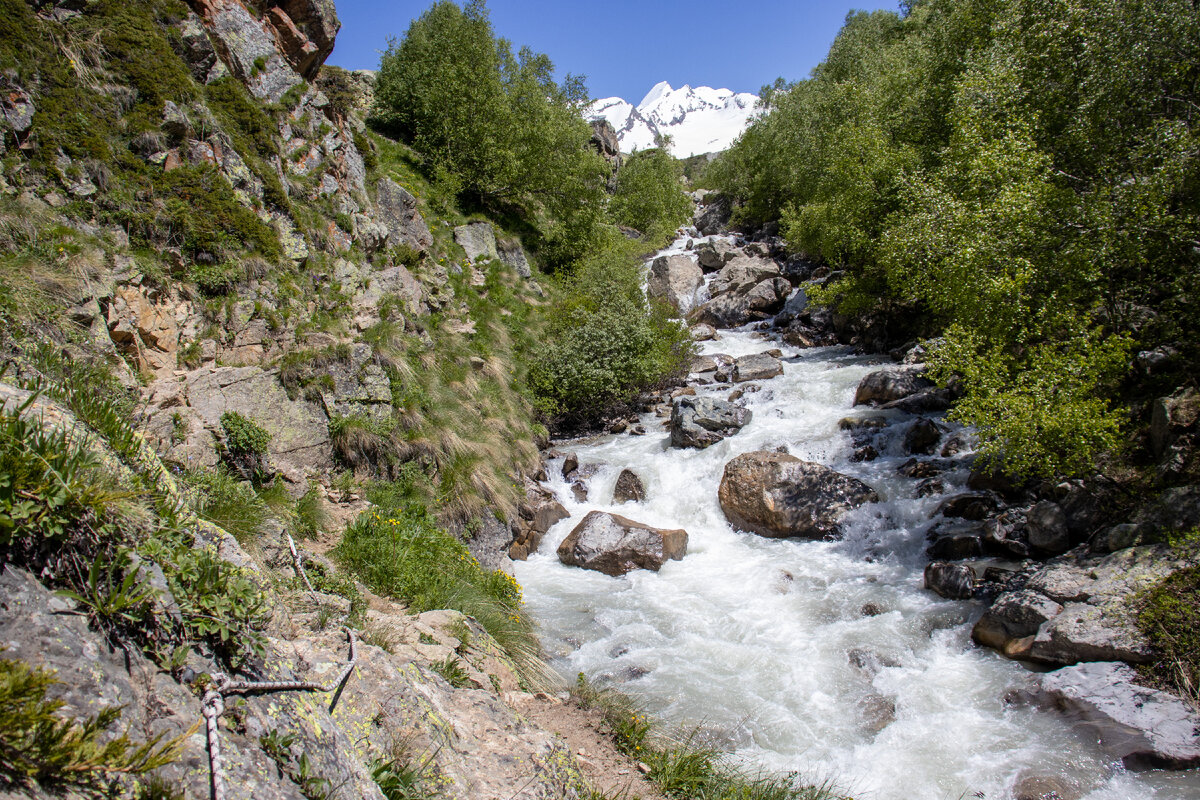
{"type": "Point", "coordinates": [795, 653]}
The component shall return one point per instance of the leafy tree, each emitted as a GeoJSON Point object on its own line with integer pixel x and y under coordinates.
{"type": "Point", "coordinates": [648, 196]}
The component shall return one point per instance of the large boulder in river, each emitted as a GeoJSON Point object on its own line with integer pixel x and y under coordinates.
{"type": "Point", "coordinates": [614, 545]}
{"type": "Point", "coordinates": [742, 274]}
{"type": "Point", "coordinates": [629, 487]}
{"type": "Point", "coordinates": [702, 421]}
{"type": "Point", "coordinates": [756, 367]}
{"type": "Point", "coordinates": [713, 217]}
{"type": "Point", "coordinates": [889, 385]}
{"type": "Point", "coordinates": [778, 495]}
{"type": "Point", "coordinates": [675, 280]}
{"type": "Point", "coordinates": [1145, 728]}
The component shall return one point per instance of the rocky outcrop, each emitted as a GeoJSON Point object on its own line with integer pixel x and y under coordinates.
{"type": "Point", "coordinates": [537, 513]}
{"type": "Point", "coordinates": [397, 210]}
{"type": "Point", "coordinates": [778, 495]}
{"type": "Point", "coordinates": [1077, 608]}
{"type": "Point", "coordinates": [746, 289]}
{"type": "Point", "coordinates": [675, 280]}
{"type": "Point", "coordinates": [1143, 727]}
{"type": "Point", "coordinates": [715, 254]}
{"type": "Point", "coordinates": [249, 48]}
{"type": "Point", "coordinates": [478, 240]}
{"type": "Point", "coordinates": [306, 30]}
{"type": "Point", "coordinates": [615, 545]}
{"type": "Point", "coordinates": [703, 421]}
{"type": "Point", "coordinates": [186, 417]}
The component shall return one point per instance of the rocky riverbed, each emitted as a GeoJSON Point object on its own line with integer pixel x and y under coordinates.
{"type": "Point", "coordinates": [857, 598]}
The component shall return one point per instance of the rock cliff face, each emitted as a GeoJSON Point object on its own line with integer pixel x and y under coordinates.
{"type": "Point", "coordinates": [319, 299]}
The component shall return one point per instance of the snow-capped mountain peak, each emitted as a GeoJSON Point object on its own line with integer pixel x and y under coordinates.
{"type": "Point", "coordinates": [698, 120]}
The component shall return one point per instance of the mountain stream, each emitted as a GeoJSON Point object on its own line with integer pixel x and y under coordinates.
{"type": "Point", "coordinates": [828, 658]}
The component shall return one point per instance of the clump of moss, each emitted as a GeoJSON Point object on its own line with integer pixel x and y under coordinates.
{"type": "Point", "coordinates": [1169, 616]}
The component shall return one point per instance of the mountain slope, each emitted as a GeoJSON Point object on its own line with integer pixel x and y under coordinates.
{"type": "Point", "coordinates": [698, 120]}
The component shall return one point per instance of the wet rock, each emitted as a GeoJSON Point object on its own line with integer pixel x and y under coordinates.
{"type": "Point", "coordinates": [1014, 615]}
{"type": "Point", "coordinates": [778, 495]}
{"type": "Point", "coordinates": [570, 464]}
{"type": "Point", "coordinates": [675, 279]}
{"type": "Point", "coordinates": [922, 437]}
{"type": "Point", "coordinates": [985, 477]}
{"type": "Point", "coordinates": [703, 333]}
{"type": "Point", "coordinates": [919, 468]}
{"type": "Point", "coordinates": [616, 545]}
{"type": "Point", "coordinates": [1044, 787]}
{"type": "Point", "coordinates": [886, 386]}
{"type": "Point", "coordinates": [629, 488]}
{"type": "Point", "coordinates": [929, 487]}
{"type": "Point", "coordinates": [756, 367]}
{"type": "Point", "coordinates": [579, 490]}
{"type": "Point", "coordinates": [953, 581]}
{"type": "Point", "coordinates": [876, 712]}
{"type": "Point", "coordinates": [954, 543]}
{"type": "Point", "coordinates": [871, 610]}
{"type": "Point", "coordinates": [1120, 537]}
{"type": "Point", "coordinates": [864, 453]}
{"type": "Point", "coordinates": [1046, 528]}
{"type": "Point", "coordinates": [1004, 536]}
{"type": "Point", "coordinates": [537, 513]}
{"type": "Point", "coordinates": [702, 421]}
{"type": "Point", "coordinates": [1145, 728]}
{"type": "Point", "coordinates": [954, 445]}
{"type": "Point", "coordinates": [929, 401]}
{"type": "Point", "coordinates": [968, 505]}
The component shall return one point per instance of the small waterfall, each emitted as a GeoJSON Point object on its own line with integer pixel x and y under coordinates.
{"type": "Point", "coordinates": [828, 658]}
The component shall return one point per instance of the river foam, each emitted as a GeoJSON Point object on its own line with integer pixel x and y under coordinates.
{"type": "Point", "coordinates": [827, 658]}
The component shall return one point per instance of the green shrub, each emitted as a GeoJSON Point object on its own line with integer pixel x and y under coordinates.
{"type": "Point", "coordinates": [605, 345]}
{"type": "Point", "coordinates": [452, 670]}
{"type": "Point", "coordinates": [649, 196]}
{"type": "Point", "coordinates": [40, 748]}
{"type": "Point", "coordinates": [244, 436]}
{"type": "Point", "coordinates": [401, 553]}
{"type": "Point", "coordinates": [220, 604]}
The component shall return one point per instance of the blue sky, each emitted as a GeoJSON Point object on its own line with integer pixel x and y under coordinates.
{"type": "Point", "coordinates": [624, 47]}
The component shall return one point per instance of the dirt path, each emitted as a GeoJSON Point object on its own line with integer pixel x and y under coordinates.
{"type": "Point", "coordinates": [604, 767]}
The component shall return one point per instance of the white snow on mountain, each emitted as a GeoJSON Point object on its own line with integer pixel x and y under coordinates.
{"type": "Point", "coordinates": [699, 120]}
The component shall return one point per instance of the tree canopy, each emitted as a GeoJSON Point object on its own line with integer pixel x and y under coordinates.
{"type": "Point", "coordinates": [1023, 175]}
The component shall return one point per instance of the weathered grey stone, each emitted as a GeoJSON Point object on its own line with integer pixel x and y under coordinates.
{"type": "Point", "coordinates": [1046, 528]}
{"type": "Point", "coordinates": [742, 274]}
{"type": "Point", "coordinates": [397, 210]}
{"type": "Point", "coordinates": [713, 255]}
{"type": "Point", "coordinates": [756, 367]}
{"type": "Point", "coordinates": [478, 239]}
{"type": "Point", "coordinates": [513, 254]}
{"type": "Point", "coordinates": [1044, 787]}
{"type": "Point", "coordinates": [1083, 632]}
{"type": "Point", "coordinates": [675, 279]}
{"type": "Point", "coordinates": [778, 495]}
{"type": "Point", "coordinates": [713, 218]}
{"type": "Point", "coordinates": [886, 386]}
{"type": "Point", "coordinates": [299, 429]}
{"type": "Point", "coordinates": [703, 333]}
{"type": "Point", "coordinates": [248, 50]}
{"type": "Point", "coordinates": [537, 513]}
{"type": "Point", "coordinates": [629, 488]}
{"type": "Point", "coordinates": [953, 581]}
{"type": "Point", "coordinates": [1014, 615]}
{"type": "Point", "coordinates": [615, 545]}
{"type": "Point", "coordinates": [702, 421]}
{"type": "Point", "coordinates": [1145, 728]}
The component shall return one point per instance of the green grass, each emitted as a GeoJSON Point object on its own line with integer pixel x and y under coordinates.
{"type": "Point", "coordinates": [402, 553]}
{"type": "Point", "coordinates": [227, 502]}
{"type": "Point", "coordinates": [1169, 616]}
{"type": "Point", "coordinates": [680, 766]}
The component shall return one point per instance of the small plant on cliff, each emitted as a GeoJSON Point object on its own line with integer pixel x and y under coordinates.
{"type": "Point", "coordinates": [244, 436]}
{"type": "Point", "coordinates": [41, 748]}
{"type": "Point", "coordinates": [1169, 616]}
